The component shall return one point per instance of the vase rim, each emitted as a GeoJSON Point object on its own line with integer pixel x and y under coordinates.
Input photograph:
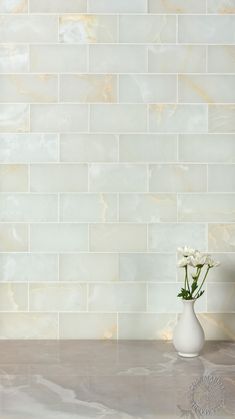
{"type": "Point", "coordinates": [189, 301]}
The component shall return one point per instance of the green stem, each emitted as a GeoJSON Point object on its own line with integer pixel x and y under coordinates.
{"type": "Point", "coordinates": [199, 289]}
{"type": "Point", "coordinates": [186, 278]}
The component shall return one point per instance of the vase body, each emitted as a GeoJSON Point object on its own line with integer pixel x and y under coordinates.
{"type": "Point", "coordinates": [188, 337]}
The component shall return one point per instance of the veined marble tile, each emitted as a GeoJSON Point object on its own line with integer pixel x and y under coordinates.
{"type": "Point", "coordinates": [218, 326]}
{"type": "Point", "coordinates": [216, 207]}
{"type": "Point", "coordinates": [60, 6]}
{"type": "Point", "coordinates": [222, 118]}
{"type": "Point", "coordinates": [86, 267]}
{"type": "Point", "coordinates": [58, 237]}
{"type": "Point", "coordinates": [29, 325]}
{"type": "Point", "coordinates": [88, 88]}
{"type": "Point", "coordinates": [147, 88]}
{"type": "Point", "coordinates": [118, 177]}
{"type": "Point", "coordinates": [14, 58]}
{"type": "Point", "coordinates": [28, 88]}
{"type": "Point", "coordinates": [112, 6]}
{"type": "Point", "coordinates": [207, 29]}
{"type": "Point", "coordinates": [177, 6]}
{"type": "Point", "coordinates": [147, 29]}
{"type": "Point", "coordinates": [177, 178]}
{"type": "Point", "coordinates": [24, 267]}
{"type": "Point", "coordinates": [13, 237]}
{"type": "Point", "coordinates": [220, 6]}
{"type": "Point", "coordinates": [177, 59]}
{"type": "Point", "coordinates": [177, 118]}
{"type": "Point", "coordinates": [148, 147]}
{"type": "Point", "coordinates": [28, 28]}
{"type": "Point", "coordinates": [167, 237]}
{"type": "Point", "coordinates": [28, 207]}
{"type": "Point", "coordinates": [88, 28]}
{"type": "Point", "coordinates": [88, 147]}
{"type": "Point", "coordinates": [60, 117]}
{"type": "Point", "coordinates": [191, 146]}
{"type": "Point", "coordinates": [221, 58]}
{"type": "Point", "coordinates": [225, 271]}
{"type": "Point", "coordinates": [13, 6]}
{"type": "Point", "coordinates": [58, 178]}
{"type": "Point", "coordinates": [221, 298]}
{"type": "Point", "coordinates": [14, 118]}
{"type": "Point", "coordinates": [221, 237]}
{"type": "Point", "coordinates": [58, 58]}
{"type": "Point", "coordinates": [147, 267]}
{"type": "Point", "coordinates": [146, 326]}
{"type": "Point", "coordinates": [118, 237]}
{"type": "Point", "coordinates": [149, 208]}
{"type": "Point", "coordinates": [57, 297]}
{"type": "Point", "coordinates": [118, 118]}
{"type": "Point", "coordinates": [221, 178]}
{"type": "Point", "coordinates": [118, 59]}
{"type": "Point", "coordinates": [13, 178]}
{"type": "Point", "coordinates": [88, 326]}
{"type": "Point", "coordinates": [13, 297]}
{"type": "Point", "coordinates": [117, 297]}
{"type": "Point", "coordinates": [88, 207]}
{"type": "Point", "coordinates": [207, 88]}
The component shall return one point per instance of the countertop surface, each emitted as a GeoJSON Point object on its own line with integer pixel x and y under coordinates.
{"type": "Point", "coordinates": [118, 380]}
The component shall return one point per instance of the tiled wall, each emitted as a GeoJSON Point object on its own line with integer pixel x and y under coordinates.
{"type": "Point", "coordinates": [117, 144]}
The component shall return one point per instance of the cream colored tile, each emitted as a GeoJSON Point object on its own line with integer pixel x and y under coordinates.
{"type": "Point", "coordinates": [207, 29]}
{"type": "Point", "coordinates": [13, 6]}
{"type": "Point", "coordinates": [167, 237]}
{"type": "Point", "coordinates": [60, 117]}
{"type": "Point", "coordinates": [147, 208]}
{"type": "Point", "coordinates": [216, 207]}
{"type": "Point", "coordinates": [88, 147]}
{"type": "Point", "coordinates": [14, 58]}
{"type": "Point", "coordinates": [207, 88]}
{"type": "Point", "coordinates": [88, 88]}
{"type": "Point", "coordinates": [147, 88]}
{"type": "Point", "coordinates": [58, 237]}
{"type": "Point", "coordinates": [28, 88]}
{"type": "Point", "coordinates": [147, 29]}
{"type": "Point", "coordinates": [28, 28]}
{"type": "Point", "coordinates": [221, 58]}
{"type": "Point", "coordinates": [13, 178]}
{"type": "Point", "coordinates": [225, 271]}
{"type": "Point", "coordinates": [221, 178]}
{"type": "Point", "coordinates": [88, 207]}
{"type": "Point", "coordinates": [221, 118]}
{"type": "Point", "coordinates": [28, 326]}
{"type": "Point", "coordinates": [191, 146]}
{"type": "Point", "coordinates": [117, 297]}
{"type": "Point", "coordinates": [88, 326]}
{"type": "Point", "coordinates": [177, 59]}
{"type": "Point", "coordinates": [146, 326]}
{"type": "Point", "coordinates": [221, 237]}
{"type": "Point", "coordinates": [86, 267]}
{"type": "Point", "coordinates": [58, 58]}
{"type": "Point", "coordinates": [148, 147]}
{"type": "Point", "coordinates": [147, 267]}
{"type": "Point", "coordinates": [28, 207]}
{"type": "Point", "coordinates": [24, 267]}
{"type": "Point", "coordinates": [118, 178]}
{"type": "Point", "coordinates": [118, 118]}
{"type": "Point", "coordinates": [118, 59]}
{"type": "Point", "coordinates": [14, 118]}
{"type": "Point", "coordinates": [88, 28]}
{"type": "Point", "coordinates": [122, 6]}
{"type": "Point", "coordinates": [57, 297]}
{"type": "Point", "coordinates": [220, 6]}
{"type": "Point", "coordinates": [218, 326]}
{"type": "Point", "coordinates": [178, 178]}
{"type": "Point", "coordinates": [118, 238]}
{"type": "Point", "coordinates": [178, 118]}
{"type": "Point", "coordinates": [221, 298]}
{"type": "Point", "coordinates": [177, 6]}
{"type": "Point", "coordinates": [13, 297]}
{"type": "Point", "coordinates": [13, 237]}
{"type": "Point", "coordinates": [60, 6]}
{"type": "Point", "coordinates": [58, 178]}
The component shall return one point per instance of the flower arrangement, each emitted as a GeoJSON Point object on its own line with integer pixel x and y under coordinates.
{"type": "Point", "coordinates": [200, 263]}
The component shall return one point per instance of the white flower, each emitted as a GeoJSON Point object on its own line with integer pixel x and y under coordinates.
{"type": "Point", "coordinates": [186, 251]}
{"type": "Point", "coordinates": [183, 262]}
{"type": "Point", "coordinates": [211, 262]}
{"type": "Point", "coordinates": [198, 259]}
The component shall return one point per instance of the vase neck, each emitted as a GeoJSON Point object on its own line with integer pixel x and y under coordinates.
{"type": "Point", "coordinates": [188, 305]}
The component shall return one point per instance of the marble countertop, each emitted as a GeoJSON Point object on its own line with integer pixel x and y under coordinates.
{"type": "Point", "coordinates": [118, 380]}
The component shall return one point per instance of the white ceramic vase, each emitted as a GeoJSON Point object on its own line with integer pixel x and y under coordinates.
{"type": "Point", "coordinates": [188, 337]}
